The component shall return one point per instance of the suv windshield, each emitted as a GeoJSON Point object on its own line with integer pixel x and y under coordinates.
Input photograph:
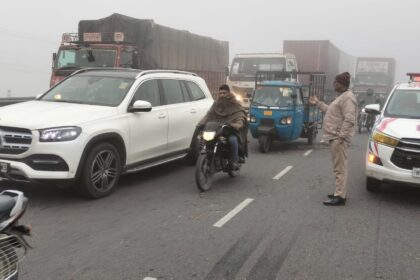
{"type": "Point", "coordinates": [404, 104]}
{"type": "Point", "coordinates": [249, 66]}
{"type": "Point", "coordinates": [85, 57]}
{"type": "Point", "coordinates": [274, 97]}
{"type": "Point", "coordinates": [90, 89]}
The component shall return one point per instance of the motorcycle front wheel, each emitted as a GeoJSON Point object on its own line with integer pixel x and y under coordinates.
{"type": "Point", "coordinates": [203, 173]}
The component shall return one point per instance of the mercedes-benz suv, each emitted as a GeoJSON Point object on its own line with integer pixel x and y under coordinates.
{"type": "Point", "coordinates": [100, 123]}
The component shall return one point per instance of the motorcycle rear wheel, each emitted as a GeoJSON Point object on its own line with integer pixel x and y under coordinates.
{"type": "Point", "coordinates": [203, 173]}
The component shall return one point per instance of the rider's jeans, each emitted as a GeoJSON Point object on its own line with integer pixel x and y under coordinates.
{"type": "Point", "coordinates": [234, 146]}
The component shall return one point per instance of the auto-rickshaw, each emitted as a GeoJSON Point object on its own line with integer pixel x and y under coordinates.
{"type": "Point", "coordinates": [280, 111]}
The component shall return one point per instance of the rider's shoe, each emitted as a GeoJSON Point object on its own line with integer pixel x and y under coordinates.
{"type": "Point", "coordinates": [236, 166]}
{"type": "Point", "coordinates": [241, 160]}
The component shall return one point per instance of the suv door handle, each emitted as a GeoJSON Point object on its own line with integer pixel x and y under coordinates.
{"type": "Point", "coordinates": [162, 116]}
{"type": "Point", "coordinates": [193, 111]}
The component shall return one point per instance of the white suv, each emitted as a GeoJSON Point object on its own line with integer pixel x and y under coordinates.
{"type": "Point", "coordinates": [393, 153]}
{"type": "Point", "coordinates": [100, 123]}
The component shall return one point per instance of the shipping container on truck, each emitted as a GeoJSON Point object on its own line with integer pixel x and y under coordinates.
{"type": "Point", "coordinates": [374, 74]}
{"type": "Point", "coordinates": [122, 41]}
{"type": "Point", "coordinates": [320, 56]}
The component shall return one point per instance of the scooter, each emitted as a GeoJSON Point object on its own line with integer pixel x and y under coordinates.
{"type": "Point", "coordinates": [13, 246]}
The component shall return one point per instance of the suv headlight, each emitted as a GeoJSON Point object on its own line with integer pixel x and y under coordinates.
{"type": "Point", "coordinates": [384, 139]}
{"type": "Point", "coordinates": [59, 134]}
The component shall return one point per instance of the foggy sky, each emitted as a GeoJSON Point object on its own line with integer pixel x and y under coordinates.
{"type": "Point", "coordinates": [30, 31]}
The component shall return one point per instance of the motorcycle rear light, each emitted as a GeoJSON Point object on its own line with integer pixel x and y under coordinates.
{"type": "Point", "coordinates": [374, 159]}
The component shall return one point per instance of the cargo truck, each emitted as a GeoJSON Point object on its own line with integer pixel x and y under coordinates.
{"type": "Point", "coordinates": [320, 56]}
{"type": "Point", "coordinates": [245, 66]}
{"type": "Point", "coordinates": [374, 75]}
{"type": "Point", "coordinates": [122, 41]}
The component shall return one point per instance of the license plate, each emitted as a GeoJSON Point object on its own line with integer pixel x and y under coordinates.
{"type": "Point", "coordinates": [268, 113]}
{"type": "Point", "coordinates": [4, 167]}
{"type": "Point", "coordinates": [416, 172]}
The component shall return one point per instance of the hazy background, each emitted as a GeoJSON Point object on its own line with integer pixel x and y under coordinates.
{"type": "Point", "coordinates": [30, 31]}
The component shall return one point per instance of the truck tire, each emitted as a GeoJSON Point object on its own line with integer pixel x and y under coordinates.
{"type": "Point", "coordinates": [264, 142]}
{"type": "Point", "coordinates": [100, 172]}
{"type": "Point", "coordinates": [372, 184]}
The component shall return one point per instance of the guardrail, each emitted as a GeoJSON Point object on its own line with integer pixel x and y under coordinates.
{"type": "Point", "coordinates": [13, 100]}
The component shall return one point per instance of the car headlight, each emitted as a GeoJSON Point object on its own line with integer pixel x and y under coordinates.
{"type": "Point", "coordinates": [286, 120]}
{"type": "Point", "coordinates": [209, 135]}
{"type": "Point", "coordinates": [59, 134]}
{"type": "Point", "coordinates": [384, 139]}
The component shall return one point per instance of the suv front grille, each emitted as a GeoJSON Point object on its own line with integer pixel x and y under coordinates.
{"type": "Point", "coordinates": [14, 141]}
{"type": "Point", "coordinates": [407, 154]}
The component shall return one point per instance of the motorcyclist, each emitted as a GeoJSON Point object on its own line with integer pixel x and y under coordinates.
{"type": "Point", "coordinates": [226, 110]}
{"type": "Point", "coordinates": [370, 98]}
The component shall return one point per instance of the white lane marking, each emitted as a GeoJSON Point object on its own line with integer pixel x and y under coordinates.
{"type": "Point", "coordinates": [282, 173]}
{"type": "Point", "coordinates": [149, 278]}
{"type": "Point", "coordinates": [233, 213]}
{"type": "Point", "coordinates": [308, 152]}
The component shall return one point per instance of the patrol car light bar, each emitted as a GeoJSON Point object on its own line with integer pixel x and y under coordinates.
{"type": "Point", "coordinates": [414, 77]}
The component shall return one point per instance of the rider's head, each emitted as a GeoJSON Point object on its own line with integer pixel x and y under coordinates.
{"type": "Point", "coordinates": [224, 91]}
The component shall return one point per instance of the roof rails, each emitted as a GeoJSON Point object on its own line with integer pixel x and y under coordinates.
{"type": "Point", "coordinates": [146, 72]}
{"type": "Point", "coordinates": [104, 69]}
{"type": "Point", "coordinates": [141, 72]}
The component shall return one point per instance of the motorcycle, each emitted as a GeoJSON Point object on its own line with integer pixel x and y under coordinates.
{"type": "Point", "coordinates": [215, 155]}
{"type": "Point", "coordinates": [365, 120]}
{"type": "Point", "coordinates": [13, 246]}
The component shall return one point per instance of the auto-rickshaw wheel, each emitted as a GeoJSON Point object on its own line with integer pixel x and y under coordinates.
{"type": "Point", "coordinates": [265, 143]}
{"type": "Point", "coordinates": [312, 133]}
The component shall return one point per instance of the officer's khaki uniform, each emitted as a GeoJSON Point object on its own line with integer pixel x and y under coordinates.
{"type": "Point", "coordinates": [339, 127]}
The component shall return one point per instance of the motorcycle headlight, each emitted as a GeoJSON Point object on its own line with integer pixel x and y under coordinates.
{"type": "Point", "coordinates": [252, 119]}
{"type": "Point", "coordinates": [209, 135]}
{"type": "Point", "coordinates": [384, 139]}
{"type": "Point", "coordinates": [286, 120]}
{"type": "Point", "coordinates": [59, 134]}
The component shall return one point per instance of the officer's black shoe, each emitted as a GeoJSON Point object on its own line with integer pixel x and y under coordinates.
{"type": "Point", "coordinates": [335, 201]}
{"type": "Point", "coordinates": [331, 195]}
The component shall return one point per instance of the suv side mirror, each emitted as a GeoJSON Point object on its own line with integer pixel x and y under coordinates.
{"type": "Point", "coordinates": [373, 109]}
{"type": "Point", "coordinates": [54, 56]}
{"type": "Point", "coordinates": [140, 106]}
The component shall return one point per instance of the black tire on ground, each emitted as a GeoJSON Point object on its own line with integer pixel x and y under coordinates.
{"type": "Point", "coordinates": [100, 172]}
{"type": "Point", "coordinates": [359, 125]}
{"type": "Point", "coordinates": [312, 133]}
{"type": "Point", "coordinates": [203, 174]}
{"type": "Point", "coordinates": [264, 142]}
{"type": "Point", "coordinates": [372, 184]}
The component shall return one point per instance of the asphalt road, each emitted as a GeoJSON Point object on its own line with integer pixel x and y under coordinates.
{"type": "Point", "coordinates": [158, 226]}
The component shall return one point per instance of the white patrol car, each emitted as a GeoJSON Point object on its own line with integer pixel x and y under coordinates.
{"type": "Point", "coordinates": [393, 153]}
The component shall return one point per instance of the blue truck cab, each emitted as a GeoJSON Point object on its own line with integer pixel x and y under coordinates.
{"type": "Point", "coordinates": [280, 111]}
